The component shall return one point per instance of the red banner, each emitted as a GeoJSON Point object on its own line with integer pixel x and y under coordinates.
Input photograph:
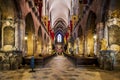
{"type": "Point", "coordinates": [52, 34]}
{"type": "Point", "coordinates": [71, 25]}
{"type": "Point", "coordinates": [67, 35]}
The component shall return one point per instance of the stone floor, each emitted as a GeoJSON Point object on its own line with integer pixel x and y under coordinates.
{"type": "Point", "coordinates": [60, 68]}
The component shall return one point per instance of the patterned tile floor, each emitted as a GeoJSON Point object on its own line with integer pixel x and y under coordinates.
{"type": "Point", "coordinates": [60, 68]}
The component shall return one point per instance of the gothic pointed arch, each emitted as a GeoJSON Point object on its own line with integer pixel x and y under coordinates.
{"type": "Point", "coordinates": [90, 32]}
{"type": "Point", "coordinates": [30, 34]}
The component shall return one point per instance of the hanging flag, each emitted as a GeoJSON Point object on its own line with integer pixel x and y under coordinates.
{"type": "Point", "coordinates": [52, 34]}
{"type": "Point", "coordinates": [67, 35]}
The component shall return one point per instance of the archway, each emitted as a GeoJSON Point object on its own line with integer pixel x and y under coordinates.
{"type": "Point", "coordinates": [80, 37]}
{"type": "Point", "coordinates": [91, 32]}
{"type": "Point", "coordinates": [61, 21]}
{"type": "Point", "coordinates": [59, 29]}
{"type": "Point", "coordinates": [39, 42]}
{"type": "Point", "coordinates": [29, 34]}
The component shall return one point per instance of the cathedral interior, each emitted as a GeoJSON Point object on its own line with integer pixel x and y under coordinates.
{"type": "Point", "coordinates": [59, 39]}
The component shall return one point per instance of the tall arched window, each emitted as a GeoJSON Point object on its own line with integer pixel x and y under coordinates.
{"type": "Point", "coordinates": [59, 38]}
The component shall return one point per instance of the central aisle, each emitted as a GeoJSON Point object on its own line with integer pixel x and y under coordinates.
{"type": "Point", "coordinates": [59, 62]}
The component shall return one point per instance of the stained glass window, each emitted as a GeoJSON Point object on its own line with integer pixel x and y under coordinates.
{"type": "Point", "coordinates": [59, 38]}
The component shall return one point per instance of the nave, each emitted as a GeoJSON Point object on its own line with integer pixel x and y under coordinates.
{"type": "Point", "coordinates": [59, 39]}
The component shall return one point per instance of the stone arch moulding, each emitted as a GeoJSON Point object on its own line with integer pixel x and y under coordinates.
{"type": "Point", "coordinates": [39, 41]}
{"type": "Point", "coordinates": [60, 20]}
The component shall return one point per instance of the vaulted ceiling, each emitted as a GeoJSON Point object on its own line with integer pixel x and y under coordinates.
{"type": "Point", "coordinates": [59, 11]}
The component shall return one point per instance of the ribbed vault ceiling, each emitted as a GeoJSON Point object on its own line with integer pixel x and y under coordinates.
{"type": "Point", "coordinates": [59, 10]}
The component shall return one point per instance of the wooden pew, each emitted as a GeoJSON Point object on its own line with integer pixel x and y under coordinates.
{"type": "Point", "coordinates": [81, 60]}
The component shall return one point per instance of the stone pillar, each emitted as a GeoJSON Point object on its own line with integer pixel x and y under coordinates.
{"type": "Point", "coordinates": [100, 35]}
{"type": "Point", "coordinates": [85, 44]}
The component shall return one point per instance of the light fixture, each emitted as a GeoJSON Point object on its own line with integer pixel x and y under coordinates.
{"type": "Point", "coordinates": [26, 37]}
{"type": "Point", "coordinates": [95, 36]}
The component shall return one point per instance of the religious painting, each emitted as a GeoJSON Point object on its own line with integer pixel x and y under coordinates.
{"type": "Point", "coordinates": [114, 34]}
{"type": "Point", "coordinates": [9, 36]}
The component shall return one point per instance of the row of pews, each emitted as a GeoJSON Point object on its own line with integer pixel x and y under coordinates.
{"type": "Point", "coordinates": [82, 60]}
{"type": "Point", "coordinates": [40, 60]}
